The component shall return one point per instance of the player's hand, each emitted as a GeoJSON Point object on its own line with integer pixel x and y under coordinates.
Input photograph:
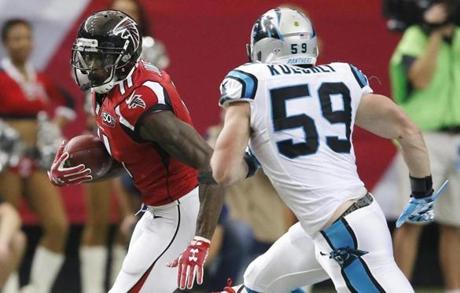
{"type": "Point", "coordinates": [191, 262]}
{"type": "Point", "coordinates": [420, 210]}
{"type": "Point", "coordinates": [60, 175]}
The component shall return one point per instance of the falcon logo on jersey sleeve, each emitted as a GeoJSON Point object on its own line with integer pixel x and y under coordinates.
{"type": "Point", "coordinates": [135, 101]}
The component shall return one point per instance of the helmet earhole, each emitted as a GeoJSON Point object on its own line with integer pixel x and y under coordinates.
{"type": "Point", "coordinates": [259, 56]}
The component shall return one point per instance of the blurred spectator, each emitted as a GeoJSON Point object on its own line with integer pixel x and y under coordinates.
{"type": "Point", "coordinates": [26, 100]}
{"type": "Point", "coordinates": [153, 50]}
{"type": "Point", "coordinates": [12, 246]}
{"type": "Point", "coordinates": [425, 74]}
{"type": "Point", "coordinates": [93, 246]}
{"type": "Point", "coordinates": [256, 202]}
{"type": "Point", "coordinates": [229, 250]}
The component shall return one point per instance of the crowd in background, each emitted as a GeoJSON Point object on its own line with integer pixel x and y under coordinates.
{"type": "Point", "coordinates": [425, 77]}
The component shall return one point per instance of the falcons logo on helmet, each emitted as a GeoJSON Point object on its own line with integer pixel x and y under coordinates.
{"type": "Point", "coordinates": [135, 101]}
{"type": "Point", "coordinates": [127, 29]}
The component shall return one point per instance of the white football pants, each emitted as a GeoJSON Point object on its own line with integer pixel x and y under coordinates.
{"type": "Point", "coordinates": [355, 252]}
{"type": "Point", "coordinates": [160, 236]}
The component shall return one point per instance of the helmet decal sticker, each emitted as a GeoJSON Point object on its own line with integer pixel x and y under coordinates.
{"type": "Point", "coordinates": [127, 29]}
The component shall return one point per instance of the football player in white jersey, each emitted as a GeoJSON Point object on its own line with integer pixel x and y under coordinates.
{"type": "Point", "coordinates": [298, 119]}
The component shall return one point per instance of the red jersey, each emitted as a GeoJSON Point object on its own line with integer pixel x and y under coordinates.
{"type": "Point", "coordinates": [21, 98]}
{"type": "Point", "coordinates": [160, 178]}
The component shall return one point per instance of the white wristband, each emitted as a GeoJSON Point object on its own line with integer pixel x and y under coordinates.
{"type": "Point", "coordinates": [202, 239]}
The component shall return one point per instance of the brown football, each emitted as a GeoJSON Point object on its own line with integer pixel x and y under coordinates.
{"type": "Point", "coordinates": [89, 150]}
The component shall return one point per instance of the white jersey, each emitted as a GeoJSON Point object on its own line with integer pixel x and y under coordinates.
{"type": "Point", "coordinates": [302, 122]}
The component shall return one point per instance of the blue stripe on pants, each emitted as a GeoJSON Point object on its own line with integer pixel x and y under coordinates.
{"type": "Point", "coordinates": [355, 272]}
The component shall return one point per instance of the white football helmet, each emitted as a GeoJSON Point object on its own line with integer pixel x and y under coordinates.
{"type": "Point", "coordinates": [283, 36]}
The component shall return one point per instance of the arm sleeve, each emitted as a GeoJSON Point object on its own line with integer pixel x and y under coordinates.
{"type": "Point", "coordinates": [151, 96]}
{"type": "Point", "coordinates": [237, 86]}
{"type": "Point", "coordinates": [362, 80]}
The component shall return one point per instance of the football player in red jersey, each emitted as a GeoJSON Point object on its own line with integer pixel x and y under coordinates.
{"type": "Point", "coordinates": [98, 196]}
{"type": "Point", "coordinates": [147, 128]}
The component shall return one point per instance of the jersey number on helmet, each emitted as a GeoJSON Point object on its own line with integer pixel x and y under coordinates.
{"type": "Point", "coordinates": [281, 121]}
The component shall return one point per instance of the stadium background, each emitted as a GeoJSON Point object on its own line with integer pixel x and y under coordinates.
{"type": "Point", "coordinates": [205, 39]}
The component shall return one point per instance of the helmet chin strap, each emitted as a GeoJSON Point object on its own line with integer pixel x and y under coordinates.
{"type": "Point", "coordinates": [105, 88]}
{"type": "Point", "coordinates": [108, 84]}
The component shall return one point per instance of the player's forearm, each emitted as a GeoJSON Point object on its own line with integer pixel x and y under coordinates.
{"type": "Point", "coordinates": [228, 169]}
{"type": "Point", "coordinates": [381, 116]}
{"type": "Point", "coordinates": [191, 149]}
{"type": "Point", "coordinates": [227, 162]}
{"type": "Point", "coordinates": [211, 202]}
{"type": "Point", "coordinates": [415, 153]}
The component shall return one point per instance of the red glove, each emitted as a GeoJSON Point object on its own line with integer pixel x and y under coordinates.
{"type": "Point", "coordinates": [60, 175]}
{"type": "Point", "coordinates": [190, 263]}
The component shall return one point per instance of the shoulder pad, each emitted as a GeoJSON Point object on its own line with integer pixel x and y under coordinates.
{"type": "Point", "coordinates": [360, 77]}
{"type": "Point", "coordinates": [240, 84]}
{"type": "Point", "coordinates": [151, 96]}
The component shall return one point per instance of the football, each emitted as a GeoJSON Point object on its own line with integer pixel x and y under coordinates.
{"type": "Point", "coordinates": [89, 150]}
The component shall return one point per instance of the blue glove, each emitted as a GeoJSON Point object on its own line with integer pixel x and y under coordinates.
{"type": "Point", "coordinates": [420, 210]}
